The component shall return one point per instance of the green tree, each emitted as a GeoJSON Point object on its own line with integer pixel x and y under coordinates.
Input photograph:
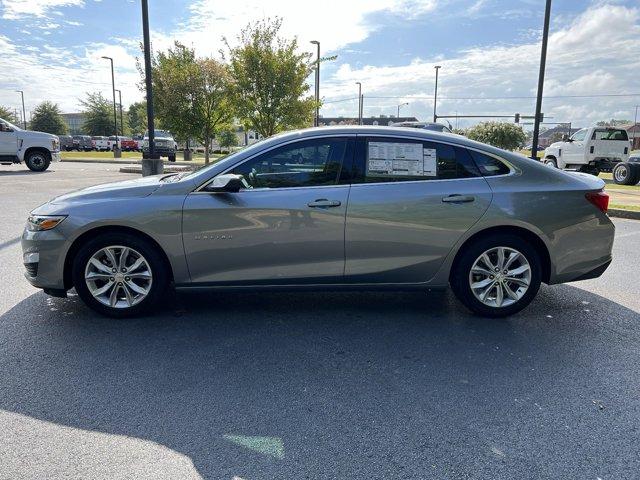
{"type": "Point", "coordinates": [191, 95]}
{"type": "Point", "coordinates": [499, 134]}
{"type": "Point", "coordinates": [613, 122]}
{"type": "Point", "coordinates": [137, 117]}
{"type": "Point", "coordinates": [98, 115]}
{"type": "Point", "coordinates": [46, 118]}
{"type": "Point", "coordinates": [7, 114]}
{"type": "Point", "coordinates": [227, 138]}
{"type": "Point", "coordinates": [269, 79]}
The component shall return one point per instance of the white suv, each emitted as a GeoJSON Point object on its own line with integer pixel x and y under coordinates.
{"type": "Point", "coordinates": [36, 149]}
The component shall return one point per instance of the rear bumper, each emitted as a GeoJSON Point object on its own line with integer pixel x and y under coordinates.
{"type": "Point", "coordinates": [595, 273]}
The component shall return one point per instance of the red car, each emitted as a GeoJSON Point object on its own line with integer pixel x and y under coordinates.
{"type": "Point", "coordinates": [128, 145]}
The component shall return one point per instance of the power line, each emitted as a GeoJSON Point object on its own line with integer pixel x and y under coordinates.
{"type": "Point", "coordinates": [522, 97]}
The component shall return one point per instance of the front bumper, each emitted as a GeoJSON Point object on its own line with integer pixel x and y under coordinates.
{"type": "Point", "coordinates": [55, 156]}
{"type": "Point", "coordinates": [43, 257]}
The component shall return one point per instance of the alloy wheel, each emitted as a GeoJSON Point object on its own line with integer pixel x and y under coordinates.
{"type": "Point", "coordinates": [118, 276]}
{"type": "Point", "coordinates": [500, 277]}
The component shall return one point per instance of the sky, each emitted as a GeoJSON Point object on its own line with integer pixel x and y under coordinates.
{"type": "Point", "coordinates": [488, 50]}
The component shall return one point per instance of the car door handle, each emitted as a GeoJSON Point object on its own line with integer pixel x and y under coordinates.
{"type": "Point", "coordinates": [324, 203]}
{"type": "Point", "coordinates": [458, 199]}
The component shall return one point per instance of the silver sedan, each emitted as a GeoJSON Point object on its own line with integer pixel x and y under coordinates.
{"type": "Point", "coordinates": [345, 207]}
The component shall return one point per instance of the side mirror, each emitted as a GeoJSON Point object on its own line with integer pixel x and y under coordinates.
{"type": "Point", "coordinates": [228, 183]}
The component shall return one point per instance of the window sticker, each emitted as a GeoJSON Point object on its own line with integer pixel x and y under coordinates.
{"type": "Point", "coordinates": [401, 159]}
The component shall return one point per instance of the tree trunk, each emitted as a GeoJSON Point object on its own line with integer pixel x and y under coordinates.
{"type": "Point", "coordinates": [206, 153]}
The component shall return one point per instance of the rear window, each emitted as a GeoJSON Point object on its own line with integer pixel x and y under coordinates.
{"type": "Point", "coordinates": [609, 134]}
{"type": "Point", "coordinates": [489, 166]}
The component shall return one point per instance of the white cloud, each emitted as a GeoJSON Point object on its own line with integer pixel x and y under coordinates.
{"type": "Point", "coordinates": [595, 53]}
{"type": "Point", "coordinates": [15, 9]}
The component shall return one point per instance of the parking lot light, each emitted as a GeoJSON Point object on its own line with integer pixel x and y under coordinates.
{"type": "Point", "coordinates": [24, 115]}
{"type": "Point", "coordinates": [120, 105]}
{"type": "Point", "coordinates": [435, 94]}
{"type": "Point", "coordinates": [401, 105]}
{"type": "Point", "coordinates": [116, 149]}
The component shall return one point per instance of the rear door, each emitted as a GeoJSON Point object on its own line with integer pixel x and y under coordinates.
{"type": "Point", "coordinates": [610, 143]}
{"type": "Point", "coordinates": [410, 202]}
{"type": "Point", "coordinates": [288, 227]}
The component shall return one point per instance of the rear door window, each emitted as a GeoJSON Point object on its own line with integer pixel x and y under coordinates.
{"type": "Point", "coordinates": [389, 159]}
{"type": "Point", "coordinates": [489, 166]}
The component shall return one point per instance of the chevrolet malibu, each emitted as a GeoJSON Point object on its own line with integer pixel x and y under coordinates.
{"type": "Point", "coordinates": [343, 207]}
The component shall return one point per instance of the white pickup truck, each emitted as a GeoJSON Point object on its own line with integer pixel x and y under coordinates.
{"type": "Point", "coordinates": [36, 149]}
{"type": "Point", "coordinates": [590, 150]}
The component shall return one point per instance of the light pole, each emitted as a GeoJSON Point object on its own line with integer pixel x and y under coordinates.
{"type": "Point", "coordinates": [120, 105]}
{"type": "Point", "coordinates": [435, 94]}
{"type": "Point", "coordinates": [401, 105]}
{"type": "Point", "coordinates": [543, 61]}
{"type": "Point", "coordinates": [116, 149]}
{"type": "Point", "coordinates": [316, 120]}
{"type": "Point", "coordinates": [359, 102]}
{"type": "Point", "coordinates": [24, 114]}
{"type": "Point", "coordinates": [151, 164]}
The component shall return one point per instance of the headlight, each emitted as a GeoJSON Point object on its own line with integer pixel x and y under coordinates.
{"type": "Point", "coordinates": [55, 144]}
{"type": "Point", "coordinates": [38, 223]}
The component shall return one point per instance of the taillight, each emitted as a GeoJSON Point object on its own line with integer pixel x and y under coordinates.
{"type": "Point", "coordinates": [599, 199]}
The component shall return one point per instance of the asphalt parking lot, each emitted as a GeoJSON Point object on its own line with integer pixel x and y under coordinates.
{"type": "Point", "coordinates": [315, 385]}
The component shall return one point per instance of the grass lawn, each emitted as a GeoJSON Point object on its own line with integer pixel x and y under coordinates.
{"type": "Point", "coordinates": [620, 206]}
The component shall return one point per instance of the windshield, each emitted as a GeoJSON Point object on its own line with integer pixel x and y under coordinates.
{"type": "Point", "coordinates": [229, 158]}
{"type": "Point", "coordinates": [9, 124]}
{"type": "Point", "coordinates": [158, 133]}
{"type": "Point", "coordinates": [609, 134]}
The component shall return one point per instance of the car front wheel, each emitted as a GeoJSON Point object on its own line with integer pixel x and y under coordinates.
{"type": "Point", "coordinates": [37, 161]}
{"type": "Point", "coordinates": [119, 275]}
{"type": "Point", "coordinates": [497, 276]}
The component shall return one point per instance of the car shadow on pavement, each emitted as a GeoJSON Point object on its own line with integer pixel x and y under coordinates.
{"type": "Point", "coordinates": [15, 173]}
{"type": "Point", "coordinates": [330, 385]}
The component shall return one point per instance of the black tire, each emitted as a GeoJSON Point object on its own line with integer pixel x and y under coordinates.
{"type": "Point", "coordinates": [551, 162]}
{"type": "Point", "coordinates": [37, 160]}
{"type": "Point", "coordinates": [624, 174]}
{"type": "Point", "coordinates": [461, 281]}
{"type": "Point", "coordinates": [172, 158]}
{"type": "Point", "coordinates": [157, 265]}
{"type": "Point", "coordinates": [635, 172]}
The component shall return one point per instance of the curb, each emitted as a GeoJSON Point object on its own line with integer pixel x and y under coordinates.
{"type": "Point", "coordinates": [167, 169]}
{"type": "Point", "coordinates": [619, 213]}
{"type": "Point", "coordinates": [126, 161]}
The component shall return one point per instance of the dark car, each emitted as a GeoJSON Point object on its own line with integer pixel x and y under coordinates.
{"type": "Point", "coordinates": [82, 143]}
{"type": "Point", "coordinates": [66, 142]}
{"type": "Point", "coordinates": [627, 173]}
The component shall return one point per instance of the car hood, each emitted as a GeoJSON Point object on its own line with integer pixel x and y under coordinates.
{"type": "Point", "coordinates": [29, 134]}
{"type": "Point", "coordinates": [140, 187]}
{"type": "Point", "coordinates": [556, 145]}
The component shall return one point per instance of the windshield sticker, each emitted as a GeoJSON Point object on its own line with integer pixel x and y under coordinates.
{"type": "Point", "coordinates": [401, 159]}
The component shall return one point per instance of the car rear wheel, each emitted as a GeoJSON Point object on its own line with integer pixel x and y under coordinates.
{"type": "Point", "coordinates": [37, 161]}
{"type": "Point", "coordinates": [119, 275]}
{"type": "Point", "coordinates": [550, 162]}
{"type": "Point", "coordinates": [497, 276]}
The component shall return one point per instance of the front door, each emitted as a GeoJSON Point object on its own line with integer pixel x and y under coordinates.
{"type": "Point", "coordinates": [574, 152]}
{"type": "Point", "coordinates": [410, 203]}
{"type": "Point", "coordinates": [8, 140]}
{"type": "Point", "coordinates": [289, 226]}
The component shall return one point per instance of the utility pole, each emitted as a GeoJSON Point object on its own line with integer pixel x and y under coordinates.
{"type": "Point", "coordinates": [120, 103]}
{"type": "Point", "coordinates": [24, 114]}
{"type": "Point", "coordinates": [316, 120]}
{"type": "Point", "coordinates": [151, 164]}
{"type": "Point", "coordinates": [543, 61]}
{"type": "Point", "coordinates": [435, 94]}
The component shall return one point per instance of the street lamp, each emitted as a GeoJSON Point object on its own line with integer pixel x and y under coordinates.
{"type": "Point", "coordinates": [120, 104]}
{"type": "Point", "coordinates": [359, 102]}
{"type": "Point", "coordinates": [316, 121]}
{"type": "Point", "coordinates": [435, 94]}
{"type": "Point", "coordinates": [401, 105]}
{"type": "Point", "coordinates": [24, 114]}
{"type": "Point", "coordinates": [116, 148]}
{"type": "Point", "coordinates": [543, 61]}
